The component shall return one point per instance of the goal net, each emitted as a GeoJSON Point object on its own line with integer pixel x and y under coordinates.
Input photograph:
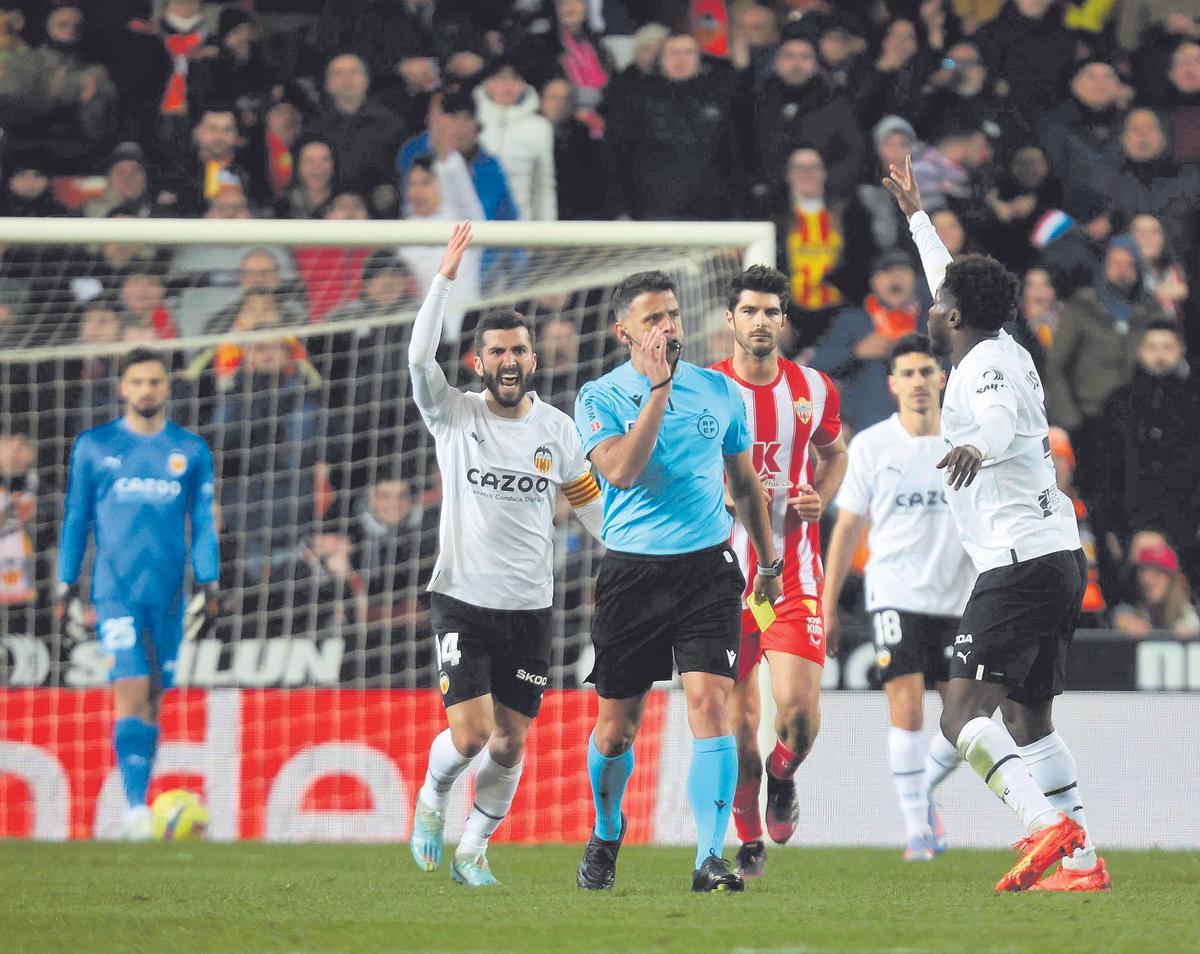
{"type": "Point", "coordinates": [308, 712]}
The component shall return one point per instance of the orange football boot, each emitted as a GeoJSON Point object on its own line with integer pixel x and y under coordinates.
{"type": "Point", "coordinates": [1039, 851]}
{"type": "Point", "coordinates": [1069, 879]}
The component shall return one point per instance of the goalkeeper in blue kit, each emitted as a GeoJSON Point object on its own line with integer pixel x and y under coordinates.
{"type": "Point", "coordinates": [134, 484]}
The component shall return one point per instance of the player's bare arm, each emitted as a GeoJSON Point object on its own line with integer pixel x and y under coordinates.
{"type": "Point", "coordinates": [746, 491]}
{"type": "Point", "coordinates": [621, 460]}
{"type": "Point", "coordinates": [847, 531]}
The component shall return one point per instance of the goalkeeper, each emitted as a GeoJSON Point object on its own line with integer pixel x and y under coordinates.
{"type": "Point", "coordinates": [135, 483]}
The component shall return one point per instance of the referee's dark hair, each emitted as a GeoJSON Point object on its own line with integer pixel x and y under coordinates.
{"type": "Point", "coordinates": [759, 278]}
{"type": "Point", "coordinates": [500, 319]}
{"type": "Point", "coordinates": [984, 291]}
{"type": "Point", "coordinates": [141, 356]}
{"type": "Point", "coordinates": [637, 284]}
{"type": "Point", "coordinates": [913, 343]}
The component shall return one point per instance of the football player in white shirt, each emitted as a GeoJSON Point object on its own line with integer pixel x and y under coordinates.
{"type": "Point", "coordinates": [918, 576]}
{"type": "Point", "coordinates": [1022, 536]}
{"type": "Point", "coordinates": [503, 455]}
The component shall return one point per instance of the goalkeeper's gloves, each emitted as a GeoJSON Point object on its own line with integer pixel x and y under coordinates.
{"type": "Point", "coordinates": [70, 613]}
{"type": "Point", "coordinates": [202, 611]}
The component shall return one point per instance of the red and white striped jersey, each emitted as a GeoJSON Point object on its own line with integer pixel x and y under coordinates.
{"type": "Point", "coordinates": [799, 408]}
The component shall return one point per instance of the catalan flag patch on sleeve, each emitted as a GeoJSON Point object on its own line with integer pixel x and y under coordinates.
{"type": "Point", "coordinates": [581, 490]}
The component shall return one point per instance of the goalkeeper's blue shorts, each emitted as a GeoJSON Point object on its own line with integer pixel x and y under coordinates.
{"type": "Point", "coordinates": [140, 640]}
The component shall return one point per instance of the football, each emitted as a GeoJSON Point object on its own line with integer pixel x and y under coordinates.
{"type": "Point", "coordinates": [178, 815]}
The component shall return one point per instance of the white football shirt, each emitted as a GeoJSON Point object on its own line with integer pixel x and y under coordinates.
{"type": "Point", "coordinates": [1013, 511]}
{"type": "Point", "coordinates": [917, 563]}
{"type": "Point", "coordinates": [500, 478]}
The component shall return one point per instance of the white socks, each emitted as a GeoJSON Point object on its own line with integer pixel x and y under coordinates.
{"type": "Point", "coordinates": [940, 762]}
{"type": "Point", "coordinates": [908, 774]}
{"type": "Point", "coordinates": [446, 764]}
{"type": "Point", "coordinates": [495, 786]}
{"type": "Point", "coordinates": [1053, 768]}
{"type": "Point", "coordinates": [988, 748]}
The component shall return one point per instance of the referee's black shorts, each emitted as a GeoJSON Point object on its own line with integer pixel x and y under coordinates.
{"type": "Point", "coordinates": [650, 609]}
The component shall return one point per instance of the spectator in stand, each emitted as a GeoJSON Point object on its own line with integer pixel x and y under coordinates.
{"type": "Point", "coordinates": [364, 134]}
{"type": "Point", "coordinates": [855, 351]}
{"type": "Point", "coordinates": [1135, 20]}
{"type": "Point", "coordinates": [92, 384]}
{"type": "Point", "coordinates": [580, 166]}
{"type": "Point", "coordinates": [960, 87]}
{"type": "Point", "coordinates": [29, 193]}
{"type": "Point", "coordinates": [795, 107]}
{"type": "Point", "coordinates": [1028, 49]}
{"type": "Point", "coordinates": [1063, 456]}
{"type": "Point", "coordinates": [315, 185]}
{"type": "Point", "coordinates": [1163, 605]}
{"type": "Point", "coordinates": [1080, 137]}
{"type": "Point", "coordinates": [188, 39]}
{"type": "Point", "coordinates": [193, 183]}
{"type": "Point", "coordinates": [672, 146]}
{"type": "Point", "coordinates": [440, 189]}
{"type": "Point", "coordinates": [259, 272]}
{"type": "Point", "coordinates": [1037, 320]}
{"type": "Point", "coordinates": [453, 128]}
{"type": "Point", "coordinates": [1147, 446]}
{"type": "Point", "coordinates": [1071, 252]}
{"type": "Point", "coordinates": [18, 554]}
{"type": "Point", "coordinates": [53, 100]}
{"type": "Point", "coordinates": [895, 82]}
{"type": "Point", "coordinates": [1180, 101]}
{"type": "Point", "coordinates": [143, 299]}
{"type": "Point", "coordinates": [944, 170]}
{"type": "Point", "coordinates": [128, 186]}
{"type": "Point", "coordinates": [1163, 275]}
{"type": "Point", "coordinates": [239, 74]}
{"type": "Point", "coordinates": [628, 84]}
{"type": "Point", "coordinates": [819, 253]}
{"type": "Point", "coordinates": [1024, 193]}
{"type": "Point", "coordinates": [753, 36]}
{"type": "Point", "coordinates": [331, 273]}
{"type": "Point", "coordinates": [1151, 181]}
{"type": "Point", "coordinates": [265, 430]}
{"type": "Point", "coordinates": [558, 372]}
{"type": "Point", "coordinates": [842, 48]}
{"type": "Point", "coordinates": [571, 49]}
{"type": "Point", "coordinates": [894, 138]}
{"type": "Point", "coordinates": [273, 148]}
{"type": "Point", "coordinates": [1095, 345]}
{"type": "Point", "coordinates": [513, 131]}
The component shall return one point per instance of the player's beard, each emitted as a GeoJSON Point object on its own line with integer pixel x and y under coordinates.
{"type": "Point", "coordinates": [148, 411]}
{"type": "Point", "coordinates": [757, 347]}
{"type": "Point", "coordinates": [510, 399]}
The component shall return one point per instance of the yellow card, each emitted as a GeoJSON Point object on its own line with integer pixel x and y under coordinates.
{"type": "Point", "coordinates": [762, 610]}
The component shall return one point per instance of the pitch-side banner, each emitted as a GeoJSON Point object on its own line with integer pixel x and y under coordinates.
{"type": "Point", "coordinates": [343, 765]}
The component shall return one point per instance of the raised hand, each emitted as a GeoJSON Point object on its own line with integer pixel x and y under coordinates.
{"type": "Point", "coordinates": [459, 242]}
{"type": "Point", "coordinates": [902, 184]}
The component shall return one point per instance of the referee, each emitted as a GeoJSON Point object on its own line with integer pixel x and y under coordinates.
{"type": "Point", "coordinates": [665, 436]}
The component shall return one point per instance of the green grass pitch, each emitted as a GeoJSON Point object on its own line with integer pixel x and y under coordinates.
{"type": "Point", "coordinates": [93, 898]}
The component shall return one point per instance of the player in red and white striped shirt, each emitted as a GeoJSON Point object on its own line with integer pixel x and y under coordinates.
{"type": "Point", "coordinates": [794, 416]}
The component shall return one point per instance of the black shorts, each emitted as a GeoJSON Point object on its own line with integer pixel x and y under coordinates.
{"type": "Point", "coordinates": [650, 608]}
{"type": "Point", "coordinates": [504, 652]}
{"type": "Point", "coordinates": [1018, 625]}
{"type": "Point", "coordinates": [907, 643]}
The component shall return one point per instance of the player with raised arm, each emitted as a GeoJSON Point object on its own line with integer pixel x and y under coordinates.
{"type": "Point", "coordinates": [134, 485]}
{"type": "Point", "coordinates": [800, 457]}
{"type": "Point", "coordinates": [504, 455]}
{"type": "Point", "coordinates": [1021, 534]}
{"type": "Point", "coordinates": [665, 436]}
{"type": "Point", "coordinates": [918, 576]}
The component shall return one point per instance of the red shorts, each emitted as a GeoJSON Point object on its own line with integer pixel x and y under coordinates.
{"type": "Point", "coordinates": [799, 630]}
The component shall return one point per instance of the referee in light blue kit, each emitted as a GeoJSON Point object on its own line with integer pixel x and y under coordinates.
{"type": "Point", "coordinates": [665, 435]}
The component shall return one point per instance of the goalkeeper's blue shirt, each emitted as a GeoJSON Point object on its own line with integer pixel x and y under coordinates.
{"type": "Point", "coordinates": [135, 493]}
{"type": "Point", "coordinates": [677, 504]}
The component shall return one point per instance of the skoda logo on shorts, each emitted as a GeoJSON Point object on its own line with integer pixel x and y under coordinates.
{"type": "Point", "coordinates": [708, 426]}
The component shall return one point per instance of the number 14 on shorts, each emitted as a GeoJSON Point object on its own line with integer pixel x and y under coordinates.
{"type": "Point", "coordinates": [448, 653]}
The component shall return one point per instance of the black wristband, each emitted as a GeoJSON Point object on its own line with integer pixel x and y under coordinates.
{"type": "Point", "coordinates": [661, 384]}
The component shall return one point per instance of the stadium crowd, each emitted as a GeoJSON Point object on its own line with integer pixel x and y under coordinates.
{"type": "Point", "coordinates": [1061, 138]}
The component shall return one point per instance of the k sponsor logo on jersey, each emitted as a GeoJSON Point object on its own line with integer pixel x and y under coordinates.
{"type": "Point", "coordinates": [543, 460]}
{"type": "Point", "coordinates": [177, 464]}
{"type": "Point", "coordinates": [766, 465]}
{"type": "Point", "coordinates": [804, 411]}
